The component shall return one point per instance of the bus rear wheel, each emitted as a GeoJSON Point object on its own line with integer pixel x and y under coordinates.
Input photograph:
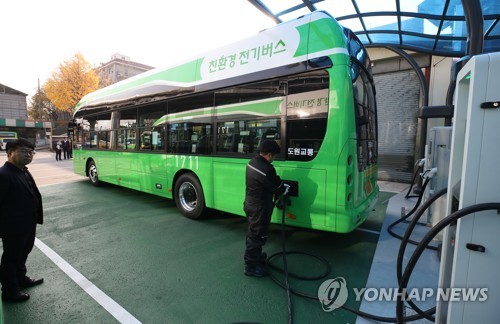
{"type": "Point", "coordinates": [92, 172]}
{"type": "Point", "coordinates": [189, 196]}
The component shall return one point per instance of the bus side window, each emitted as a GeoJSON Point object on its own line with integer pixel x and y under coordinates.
{"type": "Point", "coordinates": [270, 134]}
{"type": "Point", "coordinates": [152, 140]}
{"type": "Point", "coordinates": [304, 138]}
{"type": "Point", "coordinates": [87, 139]}
{"type": "Point", "coordinates": [204, 144]}
{"type": "Point", "coordinates": [125, 139]}
{"type": "Point", "coordinates": [248, 142]}
{"type": "Point", "coordinates": [158, 139]}
{"type": "Point", "coordinates": [145, 141]}
{"type": "Point", "coordinates": [179, 138]}
{"type": "Point", "coordinates": [104, 140]}
{"type": "Point", "coordinates": [244, 137]}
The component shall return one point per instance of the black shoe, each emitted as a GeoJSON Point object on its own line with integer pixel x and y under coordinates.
{"type": "Point", "coordinates": [256, 270]}
{"type": "Point", "coordinates": [15, 297]}
{"type": "Point", "coordinates": [28, 282]}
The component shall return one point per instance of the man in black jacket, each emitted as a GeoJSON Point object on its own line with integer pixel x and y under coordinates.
{"type": "Point", "coordinates": [262, 183]}
{"type": "Point", "coordinates": [20, 210]}
{"type": "Point", "coordinates": [65, 148]}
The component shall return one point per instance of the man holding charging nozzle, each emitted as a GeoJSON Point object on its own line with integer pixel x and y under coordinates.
{"type": "Point", "coordinates": [262, 183]}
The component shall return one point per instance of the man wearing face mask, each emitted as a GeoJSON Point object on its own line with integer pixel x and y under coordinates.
{"type": "Point", "coordinates": [262, 183]}
{"type": "Point", "coordinates": [20, 211]}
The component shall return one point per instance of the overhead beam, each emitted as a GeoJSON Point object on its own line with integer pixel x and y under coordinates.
{"type": "Point", "coordinates": [265, 10]}
{"type": "Point", "coordinates": [474, 19]}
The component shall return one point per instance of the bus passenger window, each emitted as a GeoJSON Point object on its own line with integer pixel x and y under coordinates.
{"type": "Point", "coordinates": [152, 140]}
{"type": "Point", "coordinates": [86, 139]}
{"type": "Point", "coordinates": [151, 121]}
{"type": "Point", "coordinates": [189, 124]}
{"type": "Point", "coordinates": [244, 137]}
{"type": "Point", "coordinates": [204, 145]}
{"type": "Point", "coordinates": [157, 139]}
{"type": "Point", "coordinates": [93, 140]}
{"type": "Point", "coordinates": [146, 141]}
{"type": "Point", "coordinates": [304, 138]}
{"type": "Point", "coordinates": [126, 139]}
{"type": "Point", "coordinates": [270, 133]}
{"type": "Point", "coordinates": [104, 140]}
{"type": "Point", "coordinates": [178, 138]}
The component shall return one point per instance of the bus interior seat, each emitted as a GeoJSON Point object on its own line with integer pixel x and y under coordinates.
{"type": "Point", "coordinates": [204, 146]}
{"type": "Point", "coordinates": [249, 142]}
{"type": "Point", "coordinates": [270, 133]}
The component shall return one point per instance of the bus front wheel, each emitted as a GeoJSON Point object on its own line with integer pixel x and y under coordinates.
{"type": "Point", "coordinates": [93, 177]}
{"type": "Point", "coordinates": [189, 196]}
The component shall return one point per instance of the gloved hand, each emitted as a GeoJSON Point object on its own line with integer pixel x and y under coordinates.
{"type": "Point", "coordinates": [287, 188]}
{"type": "Point", "coordinates": [282, 201]}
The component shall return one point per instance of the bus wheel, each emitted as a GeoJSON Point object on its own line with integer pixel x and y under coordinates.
{"type": "Point", "coordinates": [189, 196]}
{"type": "Point", "coordinates": [93, 177]}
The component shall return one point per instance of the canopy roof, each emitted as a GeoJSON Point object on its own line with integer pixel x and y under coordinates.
{"type": "Point", "coordinates": [436, 27]}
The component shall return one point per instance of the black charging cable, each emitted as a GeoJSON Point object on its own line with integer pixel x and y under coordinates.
{"type": "Point", "coordinates": [410, 266]}
{"type": "Point", "coordinates": [282, 203]}
{"type": "Point", "coordinates": [410, 213]}
{"type": "Point", "coordinates": [402, 248]}
{"type": "Point", "coordinates": [420, 165]}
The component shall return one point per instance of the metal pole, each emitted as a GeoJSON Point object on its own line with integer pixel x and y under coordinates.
{"type": "Point", "coordinates": [475, 41]}
{"type": "Point", "coordinates": [474, 20]}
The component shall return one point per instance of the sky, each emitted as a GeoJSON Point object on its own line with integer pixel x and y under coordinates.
{"type": "Point", "coordinates": [39, 35]}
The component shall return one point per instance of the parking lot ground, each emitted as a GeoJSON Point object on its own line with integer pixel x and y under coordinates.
{"type": "Point", "coordinates": [149, 264]}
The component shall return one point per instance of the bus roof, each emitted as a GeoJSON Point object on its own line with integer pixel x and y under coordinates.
{"type": "Point", "coordinates": [312, 36]}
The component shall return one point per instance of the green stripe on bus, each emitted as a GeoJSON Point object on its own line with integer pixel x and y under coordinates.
{"type": "Point", "coordinates": [271, 107]}
{"type": "Point", "coordinates": [185, 73]}
{"type": "Point", "coordinates": [319, 35]}
{"type": "Point", "coordinates": [262, 108]}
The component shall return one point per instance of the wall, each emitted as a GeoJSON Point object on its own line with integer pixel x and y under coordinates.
{"type": "Point", "coordinates": [13, 106]}
{"type": "Point", "coordinates": [397, 103]}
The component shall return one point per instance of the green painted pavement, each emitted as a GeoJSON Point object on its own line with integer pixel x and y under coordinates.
{"type": "Point", "coordinates": [164, 268]}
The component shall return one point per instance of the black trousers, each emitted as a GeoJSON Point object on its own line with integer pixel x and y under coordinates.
{"type": "Point", "coordinates": [15, 253]}
{"type": "Point", "coordinates": [258, 217]}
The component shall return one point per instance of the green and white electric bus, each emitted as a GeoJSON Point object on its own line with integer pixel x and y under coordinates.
{"type": "Point", "coordinates": [187, 132]}
{"type": "Point", "coordinates": [5, 137]}
{"type": "Point", "coordinates": [8, 134]}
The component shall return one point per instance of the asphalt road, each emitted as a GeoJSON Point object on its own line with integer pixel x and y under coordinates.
{"type": "Point", "coordinates": [46, 170]}
{"type": "Point", "coordinates": [111, 254]}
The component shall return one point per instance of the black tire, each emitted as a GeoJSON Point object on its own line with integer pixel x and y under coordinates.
{"type": "Point", "coordinates": [93, 176]}
{"type": "Point", "coordinates": [189, 196]}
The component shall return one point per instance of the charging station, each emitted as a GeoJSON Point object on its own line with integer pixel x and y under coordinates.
{"type": "Point", "coordinates": [471, 247]}
{"type": "Point", "coordinates": [437, 158]}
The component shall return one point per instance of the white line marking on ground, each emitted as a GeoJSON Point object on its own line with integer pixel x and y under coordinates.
{"type": "Point", "coordinates": [367, 231]}
{"type": "Point", "coordinates": [98, 295]}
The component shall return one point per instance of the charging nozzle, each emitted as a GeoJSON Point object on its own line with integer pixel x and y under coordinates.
{"type": "Point", "coordinates": [429, 173]}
